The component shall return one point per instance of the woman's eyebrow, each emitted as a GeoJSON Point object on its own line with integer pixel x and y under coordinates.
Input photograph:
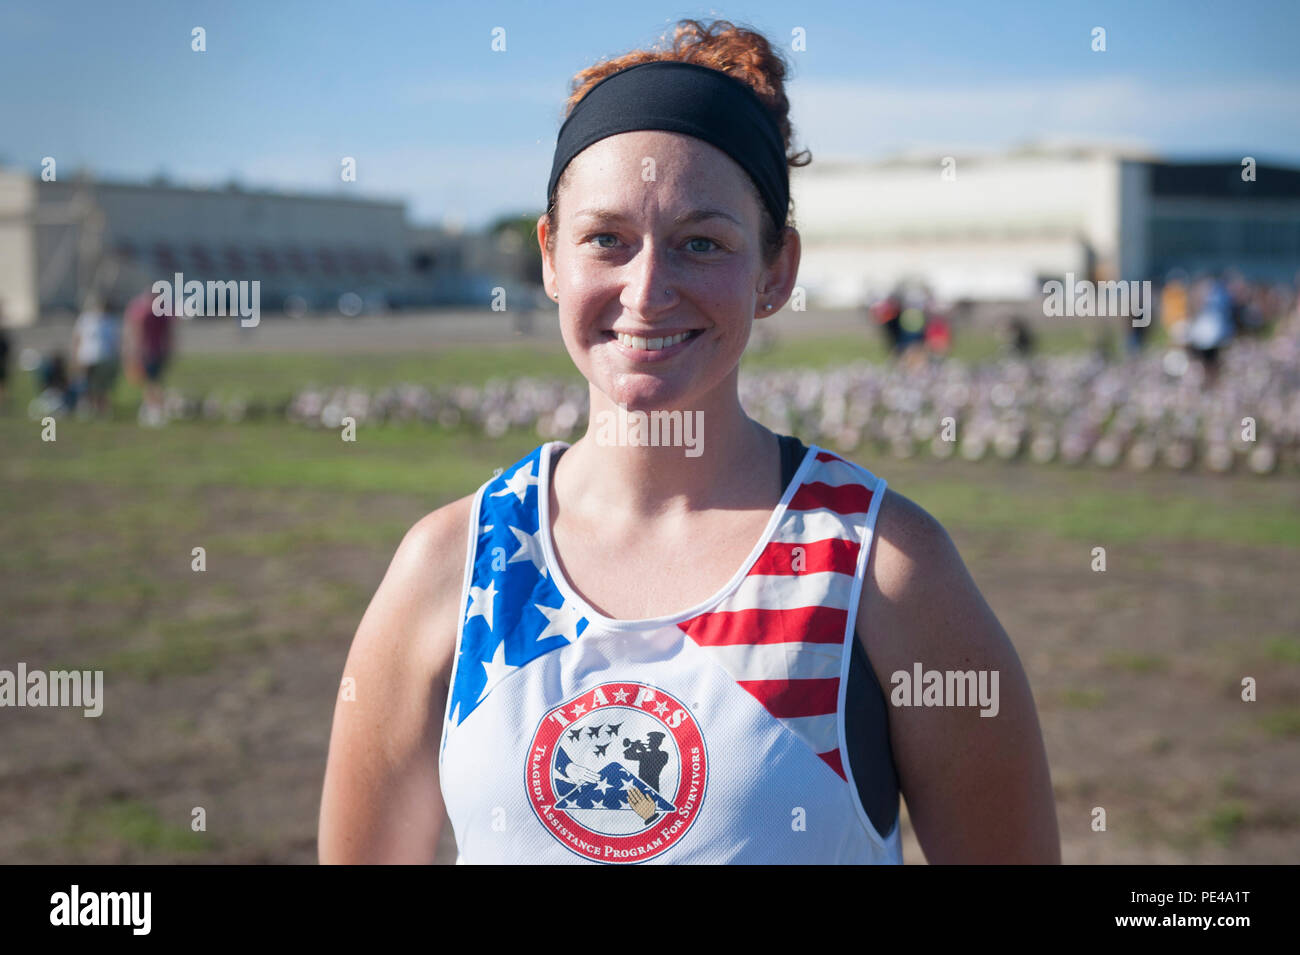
{"type": "Point", "coordinates": [697, 215]}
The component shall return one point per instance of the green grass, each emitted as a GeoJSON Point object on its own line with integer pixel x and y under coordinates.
{"type": "Point", "coordinates": [1284, 722]}
{"type": "Point", "coordinates": [135, 825]}
{"type": "Point", "coordinates": [1140, 663]}
{"type": "Point", "coordinates": [1081, 505]}
{"type": "Point", "coordinates": [1084, 505]}
{"type": "Point", "coordinates": [1225, 821]}
{"type": "Point", "coordinates": [969, 346]}
{"type": "Point", "coordinates": [192, 455]}
{"type": "Point", "coordinates": [1284, 649]}
{"type": "Point", "coordinates": [269, 376]}
{"type": "Point", "coordinates": [1077, 699]}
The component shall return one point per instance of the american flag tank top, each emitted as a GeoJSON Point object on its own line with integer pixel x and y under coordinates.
{"type": "Point", "coordinates": [716, 735]}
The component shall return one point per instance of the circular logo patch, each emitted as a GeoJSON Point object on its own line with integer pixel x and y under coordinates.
{"type": "Point", "coordinates": [617, 774]}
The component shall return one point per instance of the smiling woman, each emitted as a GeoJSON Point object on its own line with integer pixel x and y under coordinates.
{"type": "Point", "coordinates": [673, 651]}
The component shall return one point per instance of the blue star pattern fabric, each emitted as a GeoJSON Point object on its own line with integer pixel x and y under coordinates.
{"type": "Point", "coordinates": [501, 635]}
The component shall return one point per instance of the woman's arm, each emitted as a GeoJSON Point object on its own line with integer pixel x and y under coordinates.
{"type": "Point", "coordinates": [978, 789]}
{"type": "Point", "coordinates": [381, 801]}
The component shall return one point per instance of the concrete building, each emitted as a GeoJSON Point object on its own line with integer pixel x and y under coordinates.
{"type": "Point", "coordinates": [61, 241]}
{"type": "Point", "coordinates": [995, 227]}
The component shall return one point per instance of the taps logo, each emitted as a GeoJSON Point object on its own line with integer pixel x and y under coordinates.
{"type": "Point", "coordinates": [617, 774]}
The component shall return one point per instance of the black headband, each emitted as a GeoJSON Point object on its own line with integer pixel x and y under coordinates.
{"type": "Point", "coordinates": [682, 98]}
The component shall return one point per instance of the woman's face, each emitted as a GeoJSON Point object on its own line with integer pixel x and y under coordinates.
{"type": "Point", "coordinates": [658, 237]}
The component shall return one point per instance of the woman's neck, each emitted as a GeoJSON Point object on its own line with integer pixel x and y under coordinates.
{"type": "Point", "coordinates": [712, 456]}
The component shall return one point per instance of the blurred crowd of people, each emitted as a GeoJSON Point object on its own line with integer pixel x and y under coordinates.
{"type": "Point", "coordinates": [1200, 313]}
{"type": "Point", "coordinates": [109, 337]}
{"type": "Point", "coordinates": [914, 321]}
{"type": "Point", "coordinates": [1203, 312]}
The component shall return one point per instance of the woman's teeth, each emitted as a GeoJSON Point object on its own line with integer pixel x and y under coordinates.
{"type": "Point", "coordinates": [651, 344]}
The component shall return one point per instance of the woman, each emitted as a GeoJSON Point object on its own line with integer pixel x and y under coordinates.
{"type": "Point", "coordinates": [672, 647]}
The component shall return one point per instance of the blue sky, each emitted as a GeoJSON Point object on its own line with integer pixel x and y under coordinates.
{"type": "Point", "coordinates": [433, 116]}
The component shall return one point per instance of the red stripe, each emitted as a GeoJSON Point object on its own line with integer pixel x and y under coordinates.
{"type": "Point", "coordinates": [797, 625]}
{"type": "Point", "coordinates": [816, 557]}
{"type": "Point", "coordinates": [833, 761]}
{"type": "Point", "coordinates": [827, 456]}
{"type": "Point", "coordinates": [788, 699]}
{"type": "Point", "coordinates": [843, 498]}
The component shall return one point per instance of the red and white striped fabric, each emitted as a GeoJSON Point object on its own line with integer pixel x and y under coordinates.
{"type": "Point", "coordinates": [781, 634]}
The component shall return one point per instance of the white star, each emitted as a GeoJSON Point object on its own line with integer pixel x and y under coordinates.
{"type": "Point", "coordinates": [497, 669]}
{"type": "Point", "coordinates": [530, 548]}
{"type": "Point", "coordinates": [627, 784]}
{"type": "Point", "coordinates": [579, 709]}
{"type": "Point", "coordinates": [563, 621]}
{"type": "Point", "coordinates": [621, 694]}
{"type": "Point", "coordinates": [454, 718]}
{"type": "Point", "coordinates": [661, 707]}
{"type": "Point", "coordinates": [518, 483]}
{"type": "Point", "coordinates": [481, 600]}
{"type": "Point", "coordinates": [602, 786]}
{"type": "Point", "coordinates": [487, 528]}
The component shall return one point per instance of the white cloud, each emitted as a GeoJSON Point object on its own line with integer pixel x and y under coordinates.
{"type": "Point", "coordinates": [872, 119]}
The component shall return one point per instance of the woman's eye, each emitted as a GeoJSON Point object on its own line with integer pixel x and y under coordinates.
{"type": "Point", "coordinates": [700, 238]}
{"type": "Point", "coordinates": [710, 245]}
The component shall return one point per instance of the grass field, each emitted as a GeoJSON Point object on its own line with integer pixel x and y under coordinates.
{"type": "Point", "coordinates": [220, 685]}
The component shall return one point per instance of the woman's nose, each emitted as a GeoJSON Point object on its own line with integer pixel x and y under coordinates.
{"type": "Point", "coordinates": [649, 282]}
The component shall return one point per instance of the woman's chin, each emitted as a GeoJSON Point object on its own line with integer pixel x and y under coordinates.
{"type": "Point", "coordinates": [644, 392]}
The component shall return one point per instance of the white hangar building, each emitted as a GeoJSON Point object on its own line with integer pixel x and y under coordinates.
{"type": "Point", "coordinates": [997, 226]}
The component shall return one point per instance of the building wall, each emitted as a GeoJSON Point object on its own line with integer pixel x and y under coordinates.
{"type": "Point", "coordinates": [1260, 237]}
{"type": "Point", "coordinates": [990, 233]}
{"type": "Point", "coordinates": [18, 295]}
{"type": "Point", "coordinates": [313, 246]}
{"type": "Point", "coordinates": [1133, 204]}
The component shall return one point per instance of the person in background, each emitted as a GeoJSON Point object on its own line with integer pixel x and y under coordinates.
{"type": "Point", "coordinates": [147, 350]}
{"type": "Point", "coordinates": [95, 344]}
{"type": "Point", "coordinates": [912, 320]}
{"type": "Point", "coordinates": [1173, 306]}
{"type": "Point", "coordinates": [55, 394]}
{"type": "Point", "coordinates": [1017, 336]}
{"type": "Point", "coordinates": [885, 313]}
{"type": "Point", "coordinates": [4, 362]}
{"type": "Point", "coordinates": [938, 335]}
{"type": "Point", "coordinates": [1212, 327]}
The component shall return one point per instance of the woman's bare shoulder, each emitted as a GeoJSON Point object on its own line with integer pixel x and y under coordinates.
{"type": "Point", "coordinates": [909, 544]}
{"type": "Point", "coordinates": [918, 592]}
{"type": "Point", "coordinates": [413, 615]}
{"type": "Point", "coordinates": [381, 800]}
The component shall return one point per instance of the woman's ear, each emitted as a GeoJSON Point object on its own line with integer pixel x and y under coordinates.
{"type": "Point", "coordinates": [548, 266]}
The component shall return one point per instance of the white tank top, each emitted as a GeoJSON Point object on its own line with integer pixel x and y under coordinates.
{"type": "Point", "coordinates": [714, 735]}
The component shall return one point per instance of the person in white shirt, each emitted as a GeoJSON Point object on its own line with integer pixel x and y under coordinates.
{"type": "Point", "coordinates": [96, 335]}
